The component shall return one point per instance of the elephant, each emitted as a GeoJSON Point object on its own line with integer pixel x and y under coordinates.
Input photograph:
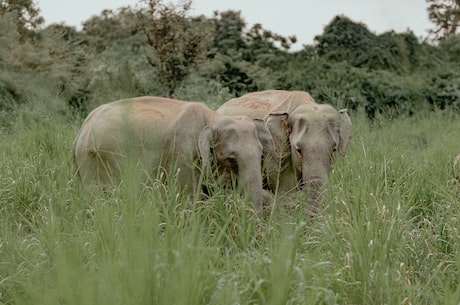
{"type": "Point", "coordinates": [307, 138]}
{"type": "Point", "coordinates": [159, 133]}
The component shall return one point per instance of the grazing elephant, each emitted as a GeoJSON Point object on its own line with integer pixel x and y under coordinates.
{"type": "Point", "coordinates": [307, 137]}
{"type": "Point", "coordinates": [159, 133]}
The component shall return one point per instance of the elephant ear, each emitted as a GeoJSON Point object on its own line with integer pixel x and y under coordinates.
{"type": "Point", "coordinates": [204, 146]}
{"type": "Point", "coordinates": [278, 125]}
{"type": "Point", "coordinates": [264, 136]}
{"type": "Point", "coordinates": [345, 131]}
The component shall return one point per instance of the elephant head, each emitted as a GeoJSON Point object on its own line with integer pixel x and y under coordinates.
{"type": "Point", "coordinates": [310, 137]}
{"type": "Point", "coordinates": [236, 145]}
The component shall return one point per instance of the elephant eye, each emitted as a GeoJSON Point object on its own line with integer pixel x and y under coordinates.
{"type": "Point", "coordinates": [297, 148]}
{"type": "Point", "coordinates": [334, 153]}
{"type": "Point", "coordinates": [232, 162]}
{"type": "Point", "coordinates": [335, 148]}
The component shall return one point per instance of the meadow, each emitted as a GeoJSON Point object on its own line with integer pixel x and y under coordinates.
{"type": "Point", "coordinates": [387, 233]}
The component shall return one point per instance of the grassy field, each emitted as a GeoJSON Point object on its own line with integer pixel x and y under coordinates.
{"type": "Point", "coordinates": [389, 232]}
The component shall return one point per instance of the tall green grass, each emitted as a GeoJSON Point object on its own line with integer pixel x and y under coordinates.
{"type": "Point", "coordinates": [388, 232]}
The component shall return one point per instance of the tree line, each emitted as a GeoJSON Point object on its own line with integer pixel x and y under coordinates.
{"type": "Point", "coordinates": [159, 49]}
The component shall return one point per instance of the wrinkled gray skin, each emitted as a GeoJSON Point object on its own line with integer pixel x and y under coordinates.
{"type": "Point", "coordinates": [158, 133]}
{"type": "Point", "coordinates": [307, 137]}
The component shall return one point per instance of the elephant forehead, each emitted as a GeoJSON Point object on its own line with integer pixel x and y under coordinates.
{"type": "Point", "coordinates": [321, 112]}
{"type": "Point", "coordinates": [238, 132]}
{"type": "Point", "coordinates": [237, 129]}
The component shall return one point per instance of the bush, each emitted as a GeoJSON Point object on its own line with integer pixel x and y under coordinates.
{"type": "Point", "coordinates": [391, 95]}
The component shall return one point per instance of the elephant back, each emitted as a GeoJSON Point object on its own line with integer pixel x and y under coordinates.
{"type": "Point", "coordinates": [258, 105]}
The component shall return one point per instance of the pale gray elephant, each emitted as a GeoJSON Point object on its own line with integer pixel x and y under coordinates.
{"type": "Point", "coordinates": [163, 134]}
{"type": "Point", "coordinates": [307, 137]}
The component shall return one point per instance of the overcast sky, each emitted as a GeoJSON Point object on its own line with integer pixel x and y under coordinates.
{"type": "Point", "coordinates": [303, 18]}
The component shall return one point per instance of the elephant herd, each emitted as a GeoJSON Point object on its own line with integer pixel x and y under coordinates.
{"type": "Point", "coordinates": [261, 143]}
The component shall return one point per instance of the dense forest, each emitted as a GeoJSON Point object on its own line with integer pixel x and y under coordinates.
{"type": "Point", "coordinates": [127, 52]}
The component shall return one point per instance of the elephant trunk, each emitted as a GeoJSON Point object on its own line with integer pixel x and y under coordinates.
{"type": "Point", "coordinates": [315, 174]}
{"type": "Point", "coordinates": [250, 183]}
{"type": "Point", "coordinates": [313, 184]}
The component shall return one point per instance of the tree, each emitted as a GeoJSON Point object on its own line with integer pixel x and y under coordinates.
{"type": "Point", "coordinates": [445, 14]}
{"type": "Point", "coordinates": [110, 27]}
{"type": "Point", "coordinates": [451, 46]}
{"type": "Point", "coordinates": [179, 42]}
{"type": "Point", "coordinates": [229, 26]}
{"type": "Point", "coordinates": [265, 39]}
{"type": "Point", "coordinates": [345, 40]}
{"type": "Point", "coordinates": [19, 56]}
{"type": "Point", "coordinates": [246, 60]}
{"type": "Point", "coordinates": [27, 15]}
{"type": "Point", "coordinates": [65, 60]}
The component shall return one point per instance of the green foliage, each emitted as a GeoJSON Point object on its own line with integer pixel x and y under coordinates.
{"type": "Point", "coordinates": [245, 61]}
{"type": "Point", "coordinates": [116, 64]}
{"type": "Point", "coordinates": [345, 40]}
{"type": "Point", "coordinates": [49, 65]}
{"type": "Point", "coordinates": [226, 61]}
{"type": "Point", "coordinates": [445, 14]}
{"type": "Point", "coordinates": [16, 58]}
{"type": "Point", "coordinates": [26, 15]}
{"type": "Point", "coordinates": [451, 45]}
{"type": "Point", "coordinates": [261, 41]}
{"type": "Point", "coordinates": [198, 88]}
{"type": "Point", "coordinates": [229, 30]}
{"type": "Point", "coordinates": [232, 72]}
{"type": "Point", "coordinates": [391, 95]}
{"type": "Point", "coordinates": [168, 28]}
{"type": "Point", "coordinates": [444, 88]}
{"type": "Point", "coordinates": [127, 53]}
{"type": "Point", "coordinates": [109, 28]}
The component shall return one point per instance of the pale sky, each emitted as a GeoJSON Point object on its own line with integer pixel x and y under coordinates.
{"type": "Point", "coordinates": [303, 18]}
